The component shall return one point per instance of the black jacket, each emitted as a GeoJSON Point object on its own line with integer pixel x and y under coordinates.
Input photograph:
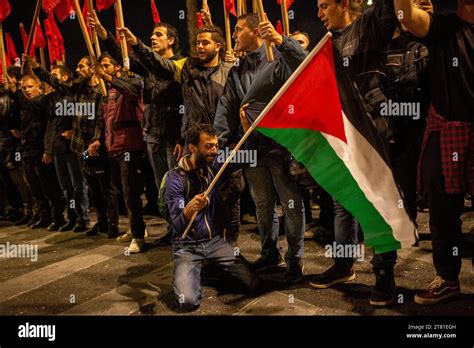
{"type": "Point", "coordinates": [162, 98]}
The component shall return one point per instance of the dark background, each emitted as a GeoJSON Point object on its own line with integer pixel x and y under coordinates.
{"type": "Point", "coordinates": [138, 17]}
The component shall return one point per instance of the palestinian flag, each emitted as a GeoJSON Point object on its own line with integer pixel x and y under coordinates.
{"type": "Point", "coordinates": [318, 116]}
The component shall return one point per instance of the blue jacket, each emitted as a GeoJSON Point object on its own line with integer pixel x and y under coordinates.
{"type": "Point", "coordinates": [207, 224]}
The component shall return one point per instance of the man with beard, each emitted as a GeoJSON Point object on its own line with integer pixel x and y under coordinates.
{"type": "Point", "coordinates": [202, 79]}
{"type": "Point", "coordinates": [447, 159]}
{"type": "Point", "coordinates": [122, 135]}
{"type": "Point", "coordinates": [203, 242]}
{"type": "Point", "coordinates": [162, 98]}
{"type": "Point", "coordinates": [85, 90]}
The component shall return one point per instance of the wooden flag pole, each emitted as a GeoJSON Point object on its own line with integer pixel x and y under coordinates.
{"type": "Point", "coordinates": [239, 8]}
{"type": "Point", "coordinates": [254, 125]}
{"type": "Point", "coordinates": [228, 39]}
{"type": "Point", "coordinates": [263, 18]}
{"type": "Point", "coordinates": [286, 20]}
{"type": "Point", "coordinates": [244, 6]}
{"type": "Point", "coordinates": [42, 56]}
{"type": "Point", "coordinates": [87, 39]}
{"type": "Point", "coordinates": [123, 41]}
{"type": "Point", "coordinates": [32, 31]}
{"type": "Point", "coordinates": [95, 39]}
{"type": "Point", "coordinates": [254, 6]}
{"type": "Point", "coordinates": [3, 57]}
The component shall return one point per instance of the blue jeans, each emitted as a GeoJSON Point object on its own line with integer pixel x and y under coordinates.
{"type": "Point", "coordinates": [267, 181]}
{"type": "Point", "coordinates": [73, 184]}
{"type": "Point", "coordinates": [346, 229]}
{"type": "Point", "coordinates": [187, 269]}
{"type": "Point", "coordinates": [161, 160]}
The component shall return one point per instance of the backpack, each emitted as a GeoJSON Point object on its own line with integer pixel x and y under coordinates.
{"type": "Point", "coordinates": [162, 205]}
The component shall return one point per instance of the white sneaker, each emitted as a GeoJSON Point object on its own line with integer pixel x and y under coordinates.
{"type": "Point", "coordinates": [125, 238]}
{"type": "Point", "coordinates": [136, 245]}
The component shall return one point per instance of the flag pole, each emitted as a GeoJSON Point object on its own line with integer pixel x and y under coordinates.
{"type": "Point", "coordinates": [286, 20]}
{"type": "Point", "coordinates": [41, 49]}
{"type": "Point", "coordinates": [87, 39]}
{"type": "Point", "coordinates": [262, 16]}
{"type": "Point", "coordinates": [254, 6]}
{"type": "Point", "coordinates": [32, 31]}
{"type": "Point", "coordinates": [254, 125]}
{"type": "Point", "coordinates": [123, 41]}
{"type": "Point", "coordinates": [239, 8]}
{"type": "Point", "coordinates": [95, 39]}
{"type": "Point", "coordinates": [228, 39]}
{"type": "Point", "coordinates": [244, 6]}
{"type": "Point", "coordinates": [3, 57]}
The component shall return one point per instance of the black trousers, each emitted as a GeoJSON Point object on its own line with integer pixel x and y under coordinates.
{"type": "Point", "coordinates": [44, 187]}
{"type": "Point", "coordinates": [11, 192]}
{"type": "Point", "coordinates": [103, 195]}
{"type": "Point", "coordinates": [445, 213]}
{"type": "Point", "coordinates": [131, 173]}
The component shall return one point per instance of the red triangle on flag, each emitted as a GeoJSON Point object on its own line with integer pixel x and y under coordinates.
{"type": "Point", "coordinates": [323, 111]}
{"type": "Point", "coordinates": [279, 27]}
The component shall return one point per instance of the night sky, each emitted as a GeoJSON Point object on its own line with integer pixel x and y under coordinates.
{"type": "Point", "coordinates": [138, 18]}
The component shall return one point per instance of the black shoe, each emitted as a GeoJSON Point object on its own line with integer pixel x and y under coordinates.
{"type": "Point", "coordinates": [384, 291]}
{"type": "Point", "coordinates": [56, 225]}
{"type": "Point", "coordinates": [294, 272]}
{"type": "Point", "coordinates": [334, 275]}
{"type": "Point", "coordinates": [33, 220]}
{"type": "Point", "coordinates": [263, 264]}
{"type": "Point", "coordinates": [24, 220]}
{"type": "Point", "coordinates": [42, 223]}
{"type": "Point", "coordinates": [80, 227]}
{"type": "Point", "coordinates": [67, 227]}
{"type": "Point", "coordinates": [96, 229]}
{"type": "Point", "coordinates": [113, 231]}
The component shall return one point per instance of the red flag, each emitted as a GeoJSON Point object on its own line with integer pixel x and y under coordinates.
{"type": "Point", "coordinates": [24, 38]}
{"type": "Point", "coordinates": [200, 23]}
{"type": "Point", "coordinates": [104, 4]}
{"type": "Point", "coordinates": [11, 51]}
{"type": "Point", "coordinates": [39, 39]}
{"type": "Point", "coordinates": [5, 9]}
{"type": "Point", "coordinates": [288, 3]}
{"type": "Point", "coordinates": [279, 27]}
{"type": "Point", "coordinates": [55, 40]}
{"type": "Point", "coordinates": [49, 5]}
{"type": "Point", "coordinates": [154, 11]}
{"type": "Point", "coordinates": [230, 7]}
{"type": "Point", "coordinates": [64, 9]}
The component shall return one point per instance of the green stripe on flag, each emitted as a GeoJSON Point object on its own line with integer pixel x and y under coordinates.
{"type": "Point", "coordinates": [312, 149]}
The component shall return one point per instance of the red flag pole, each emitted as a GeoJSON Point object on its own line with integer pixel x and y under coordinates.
{"type": "Point", "coordinates": [263, 17]}
{"type": "Point", "coordinates": [123, 41]}
{"type": "Point", "coordinates": [87, 39]}
{"type": "Point", "coordinates": [228, 39]}
{"type": "Point", "coordinates": [254, 125]}
{"type": "Point", "coordinates": [3, 57]}
{"type": "Point", "coordinates": [286, 20]}
{"type": "Point", "coordinates": [32, 30]}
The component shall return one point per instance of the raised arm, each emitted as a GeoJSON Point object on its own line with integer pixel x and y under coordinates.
{"type": "Point", "coordinates": [414, 19]}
